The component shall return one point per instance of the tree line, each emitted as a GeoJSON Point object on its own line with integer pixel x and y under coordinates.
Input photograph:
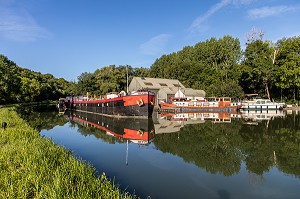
{"type": "Point", "coordinates": [218, 66]}
{"type": "Point", "coordinates": [23, 85]}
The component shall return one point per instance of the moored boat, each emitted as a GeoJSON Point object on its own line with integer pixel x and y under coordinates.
{"type": "Point", "coordinates": [209, 104]}
{"type": "Point", "coordinates": [256, 103]}
{"type": "Point", "coordinates": [136, 104]}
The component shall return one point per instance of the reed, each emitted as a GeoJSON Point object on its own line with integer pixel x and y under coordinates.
{"type": "Point", "coordinates": [35, 167]}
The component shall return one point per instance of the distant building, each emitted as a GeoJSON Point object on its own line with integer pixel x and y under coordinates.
{"type": "Point", "coordinates": [190, 94]}
{"type": "Point", "coordinates": [163, 88]}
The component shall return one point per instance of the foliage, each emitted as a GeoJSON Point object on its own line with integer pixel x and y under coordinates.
{"type": "Point", "coordinates": [289, 66]}
{"type": "Point", "coordinates": [19, 85]}
{"type": "Point", "coordinates": [207, 65]}
{"type": "Point", "coordinates": [258, 68]}
{"type": "Point", "coordinates": [9, 81]}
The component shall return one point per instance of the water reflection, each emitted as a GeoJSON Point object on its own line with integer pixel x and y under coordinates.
{"type": "Point", "coordinates": [222, 147]}
{"type": "Point", "coordinates": [171, 122]}
{"type": "Point", "coordinates": [254, 117]}
{"type": "Point", "coordinates": [140, 131]}
{"type": "Point", "coordinates": [42, 117]}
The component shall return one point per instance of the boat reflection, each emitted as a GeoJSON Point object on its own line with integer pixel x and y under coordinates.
{"type": "Point", "coordinates": [140, 131]}
{"type": "Point", "coordinates": [199, 117]}
{"type": "Point", "coordinates": [171, 122]}
{"type": "Point", "coordinates": [254, 117]}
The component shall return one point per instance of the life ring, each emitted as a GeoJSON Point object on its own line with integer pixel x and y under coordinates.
{"type": "Point", "coordinates": [140, 102]}
{"type": "Point", "coordinates": [141, 132]}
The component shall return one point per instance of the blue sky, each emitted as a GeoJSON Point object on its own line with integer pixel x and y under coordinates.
{"type": "Point", "coordinates": [68, 37]}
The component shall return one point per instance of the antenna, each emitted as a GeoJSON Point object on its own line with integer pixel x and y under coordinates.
{"type": "Point", "coordinates": [126, 78]}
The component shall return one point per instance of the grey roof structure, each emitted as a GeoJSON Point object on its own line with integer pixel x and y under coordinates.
{"type": "Point", "coordinates": [158, 83]}
{"type": "Point", "coordinates": [193, 92]}
{"type": "Point", "coordinates": [170, 90]}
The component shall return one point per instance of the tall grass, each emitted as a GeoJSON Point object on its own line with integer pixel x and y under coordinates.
{"type": "Point", "coordinates": [35, 167]}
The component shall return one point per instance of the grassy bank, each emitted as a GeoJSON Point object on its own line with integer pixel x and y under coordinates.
{"type": "Point", "coordinates": [35, 167]}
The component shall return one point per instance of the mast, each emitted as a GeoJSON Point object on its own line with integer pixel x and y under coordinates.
{"type": "Point", "coordinates": [126, 78]}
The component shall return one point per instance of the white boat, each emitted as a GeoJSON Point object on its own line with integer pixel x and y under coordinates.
{"type": "Point", "coordinates": [261, 104]}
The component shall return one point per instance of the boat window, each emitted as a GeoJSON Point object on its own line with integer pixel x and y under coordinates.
{"type": "Point", "coordinates": [176, 85]}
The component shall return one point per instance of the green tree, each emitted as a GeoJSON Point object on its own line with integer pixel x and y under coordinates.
{"type": "Point", "coordinates": [209, 64]}
{"type": "Point", "coordinates": [86, 83]}
{"type": "Point", "coordinates": [9, 81]}
{"type": "Point", "coordinates": [288, 75]}
{"type": "Point", "coordinates": [141, 72]}
{"type": "Point", "coordinates": [110, 79]}
{"type": "Point", "coordinates": [258, 68]}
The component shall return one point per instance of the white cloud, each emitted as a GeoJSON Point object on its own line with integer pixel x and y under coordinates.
{"type": "Point", "coordinates": [17, 24]}
{"type": "Point", "coordinates": [242, 2]}
{"type": "Point", "coordinates": [270, 11]}
{"type": "Point", "coordinates": [198, 26]}
{"type": "Point", "coordinates": [155, 45]}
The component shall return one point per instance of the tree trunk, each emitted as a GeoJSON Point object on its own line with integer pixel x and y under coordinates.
{"type": "Point", "coordinates": [267, 89]}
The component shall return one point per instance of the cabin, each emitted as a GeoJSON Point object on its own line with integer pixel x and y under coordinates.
{"type": "Point", "coordinates": [190, 94]}
{"type": "Point", "coordinates": [165, 89]}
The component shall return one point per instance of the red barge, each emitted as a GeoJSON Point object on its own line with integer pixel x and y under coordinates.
{"type": "Point", "coordinates": [136, 104]}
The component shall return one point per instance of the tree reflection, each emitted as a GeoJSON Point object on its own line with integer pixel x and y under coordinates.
{"type": "Point", "coordinates": [98, 133]}
{"type": "Point", "coordinates": [42, 117]}
{"type": "Point", "coordinates": [209, 146]}
{"type": "Point", "coordinates": [221, 148]}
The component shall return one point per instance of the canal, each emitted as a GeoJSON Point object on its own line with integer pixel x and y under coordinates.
{"type": "Point", "coordinates": [217, 156]}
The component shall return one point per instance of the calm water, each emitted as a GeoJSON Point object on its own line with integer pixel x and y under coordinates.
{"type": "Point", "coordinates": [207, 156]}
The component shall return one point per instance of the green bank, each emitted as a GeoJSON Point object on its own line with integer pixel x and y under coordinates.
{"type": "Point", "coordinates": [35, 167]}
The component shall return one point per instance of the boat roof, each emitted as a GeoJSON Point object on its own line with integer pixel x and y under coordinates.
{"type": "Point", "coordinates": [253, 94]}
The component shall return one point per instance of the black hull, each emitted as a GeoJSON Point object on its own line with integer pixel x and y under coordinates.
{"type": "Point", "coordinates": [115, 109]}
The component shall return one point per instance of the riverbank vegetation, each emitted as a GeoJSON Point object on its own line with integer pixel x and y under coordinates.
{"type": "Point", "coordinates": [218, 66]}
{"type": "Point", "coordinates": [35, 167]}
